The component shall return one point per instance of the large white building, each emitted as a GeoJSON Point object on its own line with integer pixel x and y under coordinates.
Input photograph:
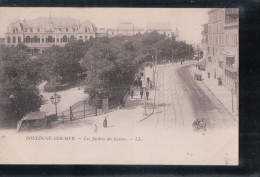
{"type": "Point", "coordinates": [42, 33]}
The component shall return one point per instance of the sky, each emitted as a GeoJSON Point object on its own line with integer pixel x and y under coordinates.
{"type": "Point", "coordinates": [188, 20]}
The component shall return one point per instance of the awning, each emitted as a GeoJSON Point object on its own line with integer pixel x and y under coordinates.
{"type": "Point", "coordinates": [228, 53]}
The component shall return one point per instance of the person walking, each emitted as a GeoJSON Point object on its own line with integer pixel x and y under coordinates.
{"type": "Point", "coordinates": [105, 122]}
{"type": "Point", "coordinates": [141, 93]}
{"type": "Point", "coordinates": [147, 89]}
{"type": "Point", "coordinates": [96, 128]}
{"type": "Point", "coordinates": [132, 92]}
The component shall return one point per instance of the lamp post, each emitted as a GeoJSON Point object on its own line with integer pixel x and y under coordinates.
{"type": "Point", "coordinates": [55, 99]}
{"type": "Point", "coordinates": [153, 70]}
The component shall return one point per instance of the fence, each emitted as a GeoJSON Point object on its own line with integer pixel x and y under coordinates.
{"type": "Point", "coordinates": [79, 110]}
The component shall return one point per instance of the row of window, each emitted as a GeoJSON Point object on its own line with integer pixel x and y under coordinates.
{"type": "Point", "coordinates": [50, 39]}
{"type": "Point", "coordinates": [216, 28]}
{"type": "Point", "coordinates": [215, 51]}
{"type": "Point", "coordinates": [216, 40]}
{"type": "Point", "coordinates": [216, 16]}
{"type": "Point", "coordinates": [231, 39]}
{"type": "Point", "coordinates": [87, 29]}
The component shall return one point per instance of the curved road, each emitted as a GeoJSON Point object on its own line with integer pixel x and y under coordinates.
{"type": "Point", "coordinates": [181, 99]}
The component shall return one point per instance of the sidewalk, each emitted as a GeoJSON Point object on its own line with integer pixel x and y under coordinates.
{"type": "Point", "coordinates": [133, 111]}
{"type": "Point", "coordinates": [223, 94]}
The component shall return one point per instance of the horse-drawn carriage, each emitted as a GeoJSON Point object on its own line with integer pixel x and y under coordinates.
{"type": "Point", "coordinates": [198, 75]}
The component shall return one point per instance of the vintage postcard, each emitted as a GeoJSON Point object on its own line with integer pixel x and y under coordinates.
{"type": "Point", "coordinates": [134, 86]}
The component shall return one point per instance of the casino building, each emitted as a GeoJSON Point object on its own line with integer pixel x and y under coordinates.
{"type": "Point", "coordinates": [42, 33]}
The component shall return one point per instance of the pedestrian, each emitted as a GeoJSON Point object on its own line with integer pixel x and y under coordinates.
{"type": "Point", "coordinates": [105, 122]}
{"type": "Point", "coordinates": [132, 92]}
{"type": "Point", "coordinates": [96, 128]}
{"type": "Point", "coordinates": [148, 79]}
{"type": "Point", "coordinates": [141, 93]}
{"type": "Point", "coordinates": [147, 94]}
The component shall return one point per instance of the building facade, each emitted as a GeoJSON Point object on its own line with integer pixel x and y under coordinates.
{"type": "Point", "coordinates": [216, 22]}
{"type": "Point", "coordinates": [231, 49]}
{"type": "Point", "coordinates": [42, 33]}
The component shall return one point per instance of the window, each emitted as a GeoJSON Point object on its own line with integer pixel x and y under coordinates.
{"type": "Point", "coordinates": [67, 29]}
{"type": "Point", "coordinates": [19, 39]}
{"type": "Point", "coordinates": [65, 39]}
{"type": "Point", "coordinates": [38, 29]}
{"type": "Point", "coordinates": [35, 39]}
{"type": "Point", "coordinates": [31, 30]}
{"type": "Point", "coordinates": [27, 39]}
{"type": "Point", "coordinates": [42, 40]}
{"type": "Point", "coordinates": [13, 30]}
{"type": "Point", "coordinates": [8, 39]}
{"type": "Point", "coordinates": [49, 39]}
{"type": "Point", "coordinates": [58, 40]}
{"type": "Point", "coordinates": [14, 39]}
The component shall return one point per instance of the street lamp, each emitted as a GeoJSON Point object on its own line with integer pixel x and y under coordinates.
{"type": "Point", "coordinates": [55, 99]}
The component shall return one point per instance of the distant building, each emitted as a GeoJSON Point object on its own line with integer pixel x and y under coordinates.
{"type": "Point", "coordinates": [42, 33]}
{"type": "Point", "coordinates": [125, 29]}
{"type": "Point", "coordinates": [101, 32]}
{"type": "Point", "coordinates": [161, 28]}
{"type": "Point", "coordinates": [176, 34]}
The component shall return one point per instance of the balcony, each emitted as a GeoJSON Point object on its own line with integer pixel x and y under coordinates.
{"type": "Point", "coordinates": [43, 45]}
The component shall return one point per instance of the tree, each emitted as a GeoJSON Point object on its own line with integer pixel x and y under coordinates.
{"type": "Point", "coordinates": [19, 77]}
{"type": "Point", "coordinates": [111, 67]}
{"type": "Point", "coordinates": [62, 62]}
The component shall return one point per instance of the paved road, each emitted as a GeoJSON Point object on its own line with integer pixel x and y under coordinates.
{"type": "Point", "coordinates": [180, 99]}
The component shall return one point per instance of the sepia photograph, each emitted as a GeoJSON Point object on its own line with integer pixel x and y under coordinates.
{"type": "Point", "coordinates": [119, 86]}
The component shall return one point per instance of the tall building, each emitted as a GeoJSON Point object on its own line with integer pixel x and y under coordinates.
{"type": "Point", "coordinates": [42, 33]}
{"type": "Point", "coordinates": [231, 49]}
{"type": "Point", "coordinates": [216, 22]}
{"type": "Point", "coordinates": [223, 45]}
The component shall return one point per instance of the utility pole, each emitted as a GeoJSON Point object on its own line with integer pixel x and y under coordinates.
{"type": "Point", "coordinates": [144, 94]}
{"type": "Point", "coordinates": [153, 71]}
